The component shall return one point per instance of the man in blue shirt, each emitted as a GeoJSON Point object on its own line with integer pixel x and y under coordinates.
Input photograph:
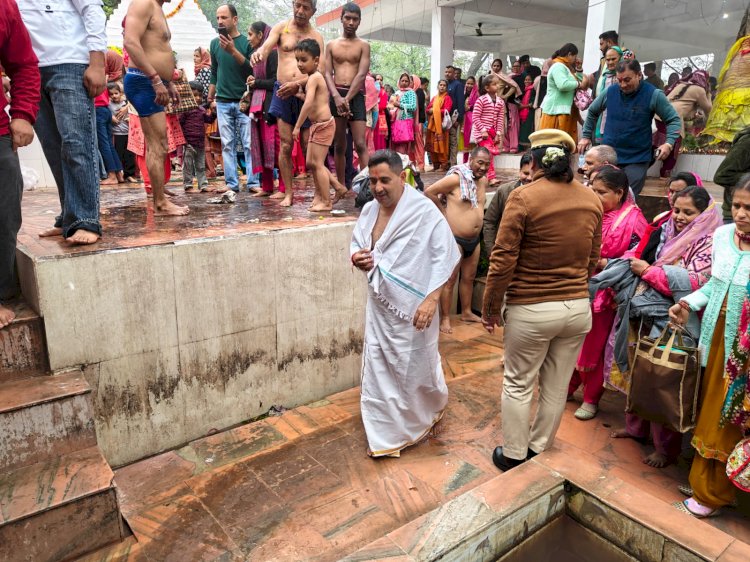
{"type": "Point", "coordinates": [631, 105]}
{"type": "Point", "coordinates": [456, 93]}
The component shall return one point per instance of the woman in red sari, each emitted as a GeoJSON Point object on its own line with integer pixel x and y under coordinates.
{"type": "Point", "coordinates": [380, 135]}
{"type": "Point", "coordinates": [623, 226]}
{"type": "Point", "coordinates": [265, 148]}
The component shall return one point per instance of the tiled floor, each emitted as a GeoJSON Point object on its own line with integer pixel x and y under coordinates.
{"type": "Point", "coordinates": [300, 487]}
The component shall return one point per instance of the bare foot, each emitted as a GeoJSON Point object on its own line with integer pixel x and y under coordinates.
{"type": "Point", "coordinates": [167, 208]}
{"type": "Point", "coordinates": [261, 194]}
{"type": "Point", "coordinates": [83, 237]}
{"type": "Point", "coordinates": [220, 190]}
{"type": "Point", "coordinates": [445, 326]}
{"type": "Point", "coordinates": [169, 192]}
{"type": "Point", "coordinates": [320, 208]}
{"type": "Point", "coordinates": [6, 316]}
{"type": "Point", "coordinates": [54, 231]}
{"type": "Point", "coordinates": [437, 429]}
{"type": "Point", "coordinates": [622, 433]}
{"type": "Point", "coordinates": [656, 460]}
{"type": "Point", "coordinates": [120, 177]}
{"type": "Point", "coordinates": [287, 202]}
{"type": "Point", "coordinates": [470, 317]}
{"type": "Point", "coordinates": [341, 192]}
{"type": "Point", "coordinates": [278, 195]}
{"type": "Point", "coordinates": [109, 181]}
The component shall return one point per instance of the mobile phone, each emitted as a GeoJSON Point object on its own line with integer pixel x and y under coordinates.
{"type": "Point", "coordinates": [223, 31]}
{"type": "Point", "coordinates": [248, 89]}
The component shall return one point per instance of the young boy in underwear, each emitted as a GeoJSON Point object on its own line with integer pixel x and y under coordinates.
{"type": "Point", "coordinates": [322, 130]}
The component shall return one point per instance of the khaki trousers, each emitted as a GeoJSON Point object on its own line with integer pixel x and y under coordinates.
{"type": "Point", "coordinates": [542, 340]}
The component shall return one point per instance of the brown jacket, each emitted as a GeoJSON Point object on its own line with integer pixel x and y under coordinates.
{"type": "Point", "coordinates": [547, 246]}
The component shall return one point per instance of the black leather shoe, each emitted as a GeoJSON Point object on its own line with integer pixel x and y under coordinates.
{"type": "Point", "coordinates": [531, 454]}
{"type": "Point", "coordinates": [502, 462]}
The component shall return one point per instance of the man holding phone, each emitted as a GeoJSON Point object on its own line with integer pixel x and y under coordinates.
{"type": "Point", "coordinates": [230, 67]}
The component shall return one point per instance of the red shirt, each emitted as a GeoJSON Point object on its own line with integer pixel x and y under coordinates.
{"type": "Point", "coordinates": [20, 64]}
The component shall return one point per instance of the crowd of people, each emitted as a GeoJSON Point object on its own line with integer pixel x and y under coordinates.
{"type": "Point", "coordinates": [277, 101]}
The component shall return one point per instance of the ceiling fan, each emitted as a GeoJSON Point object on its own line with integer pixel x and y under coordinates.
{"type": "Point", "coordinates": [480, 33]}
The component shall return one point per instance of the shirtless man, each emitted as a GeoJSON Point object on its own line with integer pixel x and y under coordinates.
{"type": "Point", "coordinates": [148, 88]}
{"type": "Point", "coordinates": [285, 105]}
{"type": "Point", "coordinates": [463, 188]}
{"type": "Point", "coordinates": [347, 65]}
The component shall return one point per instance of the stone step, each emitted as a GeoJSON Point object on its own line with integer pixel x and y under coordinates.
{"type": "Point", "coordinates": [44, 417]}
{"type": "Point", "coordinates": [59, 509]}
{"type": "Point", "coordinates": [23, 350]}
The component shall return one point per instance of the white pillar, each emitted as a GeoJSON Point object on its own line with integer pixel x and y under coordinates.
{"type": "Point", "coordinates": [603, 15]}
{"type": "Point", "coordinates": [441, 48]}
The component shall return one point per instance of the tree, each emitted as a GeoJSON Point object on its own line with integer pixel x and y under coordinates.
{"type": "Point", "coordinates": [392, 59]}
{"type": "Point", "coordinates": [109, 7]}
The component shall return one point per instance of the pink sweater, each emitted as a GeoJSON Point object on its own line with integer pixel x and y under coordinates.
{"type": "Point", "coordinates": [488, 115]}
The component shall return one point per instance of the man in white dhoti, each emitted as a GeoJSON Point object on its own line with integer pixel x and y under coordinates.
{"type": "Point", "coordinates": [406, 247]}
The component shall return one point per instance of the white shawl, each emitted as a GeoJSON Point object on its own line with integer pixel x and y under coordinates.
{"type": "Point", "coordinates": [415, 255]}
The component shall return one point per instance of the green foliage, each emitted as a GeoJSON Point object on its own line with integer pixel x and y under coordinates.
{"type": "Point", "coordinates": [109, 6]}
{"type": "Point", "coordinates": [247, 10]}
{"type": "Point", "coordinates": [391, 59]}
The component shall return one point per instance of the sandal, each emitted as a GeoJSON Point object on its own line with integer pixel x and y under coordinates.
{"type": "Point", "coordinates": [586, 413]}
{"type": "Point", "coordinates": [685, 489]}
{"type": "Point", "coordinates": [682, 506]}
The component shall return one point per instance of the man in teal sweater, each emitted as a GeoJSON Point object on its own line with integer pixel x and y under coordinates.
{"type": "Point", "coordinates": [631, 105]}
{"type": "Point", "coordinates": [230, 67]}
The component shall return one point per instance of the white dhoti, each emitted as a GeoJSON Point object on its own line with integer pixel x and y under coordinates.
{"type": "Point", "coordinates": [403, 388]}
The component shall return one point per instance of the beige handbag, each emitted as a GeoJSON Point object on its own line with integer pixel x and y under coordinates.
{"type": "Point", "coordinates": [665, 381]}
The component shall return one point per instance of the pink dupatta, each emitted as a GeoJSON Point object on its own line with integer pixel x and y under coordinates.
{"type": "Point", "coordinates": [622, 230]}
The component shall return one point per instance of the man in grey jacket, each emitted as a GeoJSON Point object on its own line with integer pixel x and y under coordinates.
{"type": "Point", "coordinates": [493, 214]}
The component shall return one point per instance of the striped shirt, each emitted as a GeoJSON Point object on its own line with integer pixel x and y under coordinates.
{"type": "Point", "coordinates": [487, 115]}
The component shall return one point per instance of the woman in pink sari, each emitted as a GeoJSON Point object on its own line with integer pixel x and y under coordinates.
{"type": "Point", "coordinates": [371, 109]}
{"type": "Point", "coordinates": [266, 140]}
{"type": "Point", "coordinates": [623, 225]}
{"type": "Point", "coordinates": [676, 255]}
{"type": "Point", "coordinates": [380, 134]}
{"type": "Point", "coordinates": [416, 151]}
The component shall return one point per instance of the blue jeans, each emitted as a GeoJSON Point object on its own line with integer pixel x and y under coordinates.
{"type": "Point", "coordinates": [66, 126]}
{"type": "Point", "coordinates": [231, 122]}
{"type": "Point", "coordinates": [104, 140]}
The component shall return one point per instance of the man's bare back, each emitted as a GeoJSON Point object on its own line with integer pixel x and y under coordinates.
{"type": "Point", "coordinates": [346, 55]}
{"type": "Point", "coordinates": [155, 38]}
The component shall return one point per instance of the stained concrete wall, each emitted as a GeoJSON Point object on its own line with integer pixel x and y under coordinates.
{"type": "Point", "coordinates": [177, 340]}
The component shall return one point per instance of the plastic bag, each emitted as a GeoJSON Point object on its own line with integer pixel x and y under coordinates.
{"type": "Point", "coordinates": [30, 178]}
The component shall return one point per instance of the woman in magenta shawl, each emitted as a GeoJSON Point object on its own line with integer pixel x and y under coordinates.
{"type": "Point", "coordinates": [623, 225]}
{"type": "Point", "coordinates": [678, 254]}
{"type": "Point", "coordinates": [265, 135]}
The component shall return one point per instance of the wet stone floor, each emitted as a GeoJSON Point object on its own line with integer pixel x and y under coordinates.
{"type": "Point", "coordinates": [300, 487]}
{"type": "Point", "coordinates": [128, 220]}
